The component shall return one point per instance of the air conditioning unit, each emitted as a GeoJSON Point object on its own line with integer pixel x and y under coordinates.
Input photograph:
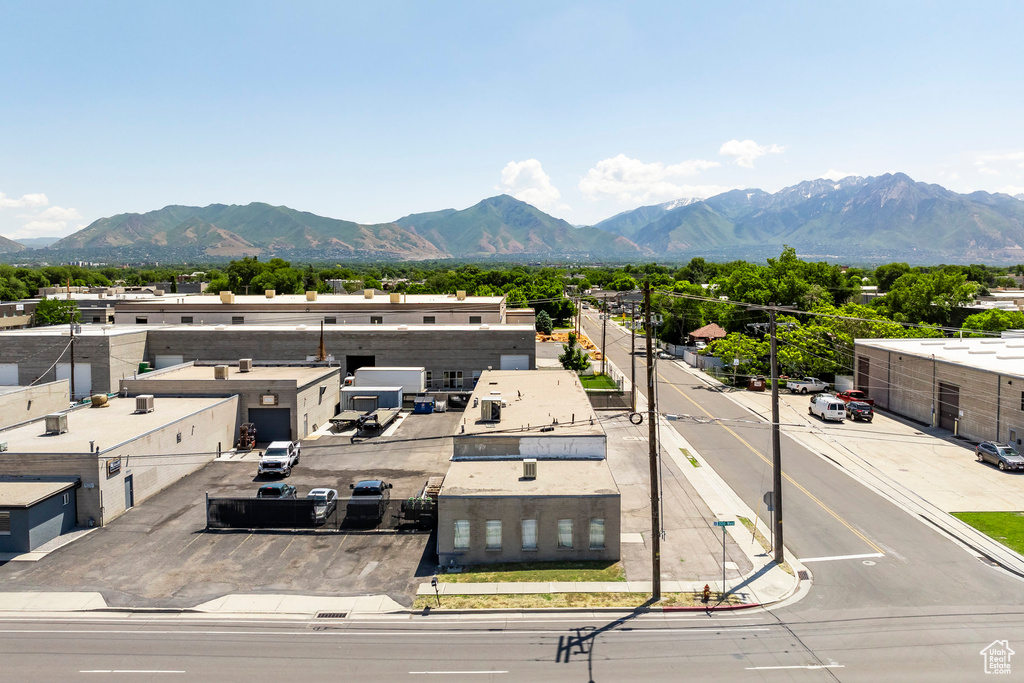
{"type": "Point", "coordinates": [245, 365]}
{"type": "Point", "coordinates": [220, 372]}
{"type": "Point", "coordinates": [530, 468]}
{"type": "Point", "coordinates": [3, 446]}
{"type": "Point", "coordinates": [490, 409]}
{"type": "Point", "coordinates": [144, 403]}
{"type": "Point", "coordinates": [56, 423]}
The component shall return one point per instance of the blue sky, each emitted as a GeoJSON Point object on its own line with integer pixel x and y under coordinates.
{"type": "Point", "coordinates": [371, 111]}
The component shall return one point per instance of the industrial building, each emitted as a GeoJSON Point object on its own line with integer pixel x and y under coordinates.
{"type": "Point", "coordinates": [311, 308]}
{"type": "Point", "coordinates": [123, 452]}
{"type": "Point", "coordinates": [529, 479]}
{"type": "Point", "coordinates": [35, 510]}
{"type": "Point", "coordinates": [283, 402]}
{"type": "Point", "coordinates": [22, 404]}
{"type": "Point", "coordinates": [972, 387]}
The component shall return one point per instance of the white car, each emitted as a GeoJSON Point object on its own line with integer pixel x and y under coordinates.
{"type": "Point", "coordinates": [326, 503]}
{"type": "Point", "coordinates": [828, 407]}
{"type": "Point", "coordinates": [279, 458]}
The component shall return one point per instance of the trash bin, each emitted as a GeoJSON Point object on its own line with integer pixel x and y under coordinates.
{"type": "Point", "coordinates": [756, 383]}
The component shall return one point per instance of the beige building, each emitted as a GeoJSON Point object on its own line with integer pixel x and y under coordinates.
{"type": "Point", "coordinates": [973, 387]}
{"type": "Point", "coordinates": [270, 308]}
{"type": "Point", "coordinates": [529, 480]}
{"type": "Point", "coordinates": [284, 402]}
{"type": "Point", "coordinates": [22, 404]}
{"type": "Point", "coordinates": [122, 456]}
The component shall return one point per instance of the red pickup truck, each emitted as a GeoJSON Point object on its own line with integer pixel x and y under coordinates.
{"type": "Point", "coordinates": [855, 395]}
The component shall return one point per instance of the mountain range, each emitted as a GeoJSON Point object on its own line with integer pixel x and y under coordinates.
{"type": "Point", "coordinates": [882, 218]}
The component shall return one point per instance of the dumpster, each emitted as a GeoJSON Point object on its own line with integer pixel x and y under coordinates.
{"type": "Point", "coordinates": [756, 383]}
{"type": "Point", "coordinates": [423, 405]}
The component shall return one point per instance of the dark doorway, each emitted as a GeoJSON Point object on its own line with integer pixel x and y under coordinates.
{"type": "Point", "coordinates": [864, 374]}
{"type": "Point", "coordinates": [353, 363]}
{"type": "Point", "coordinates": [129, 492]}
{"type": "Point", "coordinates": [949, 406]}
{"type": "Point", "coordinates": [272, 424]}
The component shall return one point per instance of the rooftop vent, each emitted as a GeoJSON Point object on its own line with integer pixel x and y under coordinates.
{"type": "Point", "coordinates": [367, 293]}
{"type": "Point", "coordinates": [530, 468]}
{"type": "Point", "coordinates": [245, 365]}
{"type": "Point", "coordinates": [220, 372]}
{"type": "Point", "coordinates": [311, 295]}
{"type": "Point", "coordinates": [227, 297]}
{"type": "Point", "coordinates": [144, 403]}
{"type": "Point", "coordinates": [56, 423]}
{"type": "Point", "coordinates": [460, 295]}
{"type": "Point", "coordinates": [396, 297]}
{"type": "Point", "coordinates": [270, 293]}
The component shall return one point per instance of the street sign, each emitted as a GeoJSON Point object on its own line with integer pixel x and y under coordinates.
{"type": "Point", "coordinates": [769, 500]}
{"type": "Point", "coordinates": [729, 523]}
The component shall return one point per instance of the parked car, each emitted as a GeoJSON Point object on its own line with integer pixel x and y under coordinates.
{"type": "Point", "coordinates": [807, 385]}
{"type": "Point", "coordinates": [828, 407]}
{"type": "Point", "coordinates": [278, 490]}
{"type": "Point", "coordinates": [279, 458]}
{"type": "Point", "coordinates": [369, 501]}
{"type": "Point", "coordinates": [999, 454]}
{"type": "Point", "coordinates": [859, 410]}
{"type": "Point", "coordinates": [855, 395]}
{"type": "Point", "coordinates": [326, 503]}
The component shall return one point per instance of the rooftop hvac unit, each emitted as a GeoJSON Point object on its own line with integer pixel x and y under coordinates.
{"type": "Point", "coordinates": [490, 409]}
{"type": "Point", "coordinates": [227, 297]}
{"type": "Point", "coordinates": [367, 293]}
{"type": "Point", "coordinates": [311, 295]}
{"type": "Point", "coordinates": [3, 446]}
{"type": "Point", "coordinates": [270, 293]}
{"type": "Point", "coordinates": [144, 403]}
{"type": "Point", "coordinates": [245, 365]}
{"type": "Point", "coordinates": [396, 297]}
{"type": "Point", "coordinates": [460, 295]}
{"type": "Point", "coordinates": [220, 372]}
{"type": "Point", "coordinates": [530, 468]}
{"type": "Point", "coordinates": [57, 423]}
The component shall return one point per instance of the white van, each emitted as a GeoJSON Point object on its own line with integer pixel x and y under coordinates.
{"type": "Point", "coordinates": [828, 407]}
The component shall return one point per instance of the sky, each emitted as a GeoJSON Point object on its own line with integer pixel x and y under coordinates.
{"type": "Point", "coordinates": [371, 111]}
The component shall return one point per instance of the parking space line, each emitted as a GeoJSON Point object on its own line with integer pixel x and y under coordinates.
{"type": "Point", "coordinates": [240, 545]}
{"type": "Point", "coordinates": [286, 547]}
{"type": "Point", "coordinates": [198, 536]}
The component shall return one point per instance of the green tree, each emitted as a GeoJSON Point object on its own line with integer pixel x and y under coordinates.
{"type": "Point", "coordinates": [544, 324]}
{"type": "Point", "coordinates": [993, 320]}
{"type": "Point", "coordinates": [56, 312]}
{"type": "Point", "coordinates": [574, 357]}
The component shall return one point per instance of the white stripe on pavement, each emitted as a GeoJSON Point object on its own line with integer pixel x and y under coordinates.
{"type": "Point", "coordinates": [450, 673]}
{"type": "Point", "coordinates": [130, 671]}
{"type": "Point", "coordinates": [806, 666]}
{"type": "Point", "coordinates": [865, 556]}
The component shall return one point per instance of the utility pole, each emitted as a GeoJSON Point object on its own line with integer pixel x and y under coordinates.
{"type": "Point", "coordinates": [652, 440]}
{"type": "Point", "coordinates": [604, 335]}
{"type": "Point", "coordinates": [71, 346]}
{"type": "Point", "coordinates": [776, 449]}
{"type": "Point", "coordinates": [632, 354]}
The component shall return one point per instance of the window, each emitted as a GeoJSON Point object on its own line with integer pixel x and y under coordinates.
{"type": "Point", "coordinates": [474, 320]}
{"type": "Point", "coordinates": [238, 320]}
{"type": "Point", "coordinates": [461, 534]}
{"type": "Point", "coordinates": [476, 377]}
{"type": "Point", "coordinates": [597, 534]}
{"type": "Point", "coordinates": [330, 321]}
{"type": "Point", "coordinates": [493, 534]}
{"type": "Point", "coordinates": [453, 379]}
{"type": "Point", "coordinates": [67, 498]}
{"type": "Point", "coordinates": [140, 321]}
{"type": "Point", "coordinates": [376, 320]}
{"type": "Point", "coordinates": [5, 523]}
{"type": "Point", "coordinates": [565, 533]}
{"type": "Point", "coordinates": [529, 534]}
{"type": "Point", "coordinates": [428, 320]}
{"type": "Point", "coordinates": [429, 379]}
{"type": "Point", "coordinates": [1022, 400]}
{"type": "Point", "coordinates": [186, 320]}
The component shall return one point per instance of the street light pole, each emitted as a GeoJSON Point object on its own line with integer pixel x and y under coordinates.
{"type": "Point", "coordinates": [604, 335]}
{"type": "Point", "coordinates": [776, 445]}
{"type": "Point", "coordinates": [652, 440]}
{"type": "Point", "coordinates": [632, 355]}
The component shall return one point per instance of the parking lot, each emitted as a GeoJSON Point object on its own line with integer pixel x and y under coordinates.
{"type": "Point", "coordinates": [159, 553]}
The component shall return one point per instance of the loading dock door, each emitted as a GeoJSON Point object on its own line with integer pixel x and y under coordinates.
{"type": "Point", "coordinates": [161, 362]}
{"type": "Point", "coordinates": [8, 374]}
{"type": "Point", "coordinates": [353, 363]}
{"type": "Point", "coordinates": [949, 406]}
{"type": "Point", "coordinates": [272, 424]}
{"type": "Point", "coordinates": [83, 378]}
{"type": "Point", "coordinates": [515, 362]}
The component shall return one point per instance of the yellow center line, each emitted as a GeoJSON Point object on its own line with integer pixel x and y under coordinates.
{"type": "Point", "coordinates": [788, 478]}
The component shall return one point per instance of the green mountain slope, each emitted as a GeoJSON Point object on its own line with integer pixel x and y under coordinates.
{"type": "Point", "coordinates": [10, 246]}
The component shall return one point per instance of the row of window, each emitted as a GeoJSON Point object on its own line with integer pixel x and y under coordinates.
{"type": "Point", "coordinates": [374, 320]}
{"type": "Point", "coordinates": [528, 536]}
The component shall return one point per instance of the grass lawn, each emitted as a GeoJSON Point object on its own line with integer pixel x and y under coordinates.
{"type": "Point", "coordinates": [537, 571]}
{"type": "Point", "coordinates": [1005, 527]}
{"type": "Point", "coordinates": [598, 382]}
{"type": "Point", "coordinates": [575, 600]}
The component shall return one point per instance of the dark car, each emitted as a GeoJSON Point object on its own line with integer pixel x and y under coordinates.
{"type": "Point", "coordinates": [369, 501]}
{"type": "Point", "coordinates": [279, 490]}
{"type": "Point", "coordinates": [999, 454]}
{"type": "Point", "coordinates": [858, 410]}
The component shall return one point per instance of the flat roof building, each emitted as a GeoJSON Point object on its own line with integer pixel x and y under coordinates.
{"type": "Point", "coordinates": [35, 510]}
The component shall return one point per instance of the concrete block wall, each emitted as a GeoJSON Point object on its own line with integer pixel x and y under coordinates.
{"type": "Point", "coordinates": [511, 510]}
{"type": "Point", "coordinates": [33, 402]}
{"type": "Point", "coordinates": [313, 407]}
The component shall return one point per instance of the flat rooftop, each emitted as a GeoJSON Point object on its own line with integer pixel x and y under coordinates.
{"type": "Point", "coordinates": [86, 330]}
{"type": "Point", "coordinates": [23, 494]}
{"type": "Point", "coordinates": [260, 373]}
{"type": "Point", "coordinates": [504, 478]}
{"type": "Point", "coordinates": [333, 329]}
{"type": "Point", "coordinates": [359, 300]}
{"type": "Point", "coordinates": [533, 398]}
{"type": "Point", "coordinates": [1004, 356]}
{"type": "Point", "coordinates": [107, 427]}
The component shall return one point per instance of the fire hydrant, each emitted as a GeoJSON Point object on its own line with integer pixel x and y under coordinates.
{"type": "Point", "coordinates": [707, 592]}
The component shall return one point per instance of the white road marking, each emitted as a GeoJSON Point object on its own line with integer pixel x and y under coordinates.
{"type": "Point", "coordinates": [805, 560]}
{"type": "Point", "coordinates": [130, 671]}
{"type": "Point", "coordinates": [807, 666]}
{"type": "Point", "coordinates": [427, 634]}
{"type": "Point", "coordinates": [457, 672]}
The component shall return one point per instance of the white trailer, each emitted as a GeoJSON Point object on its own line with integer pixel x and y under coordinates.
{"type": "Point", "coordinates": [412, 380]}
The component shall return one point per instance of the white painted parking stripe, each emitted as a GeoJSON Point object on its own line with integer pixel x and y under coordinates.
{"type": "Point", "coordinates": [806, 666]}
{"type": "Point", "coordinates": [130, 671]}
{"type": "Point", "coordinates": [865, 556]}
{"type": "Point", "coordinates": [450, 673]}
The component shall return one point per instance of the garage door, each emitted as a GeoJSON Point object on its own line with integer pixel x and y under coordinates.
{"type": "Point", "coordinates": [515, 362]}
{"type": "Point", "coordinates": [161, 362]}
{"type": "Point", "coordinates": [83, 378]}
{"type": "Point", "coordinates": [8, 374]}
{"type": "Point", "coordinates": [272, 424]}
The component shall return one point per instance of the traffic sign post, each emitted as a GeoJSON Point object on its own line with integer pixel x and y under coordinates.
{"type": "Point", "coordinates": [724, 524]}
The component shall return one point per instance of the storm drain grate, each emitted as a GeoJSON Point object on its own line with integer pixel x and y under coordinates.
{"type": "Point", "coordinates": [803, 575]}
{"type": "Point", "coordinates": [331, 615]}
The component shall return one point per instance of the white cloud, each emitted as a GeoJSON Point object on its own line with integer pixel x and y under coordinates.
{"type": "Point", "coordinates": [746, 151]}
{"type": "Point", "coordinates": [527, 182]}
{"type": "Point", "coordinates": [631, 180]}
{"type": "Point", "coordinates": [27, 200]}
{"type": "Point", "coordinates": [1011, 189]}
{"type": "Point", "coordinates": [833, 174]}
{"type": "Point", "coordinates": [51, 222]}
{"type": "Point", "coordinates": [985, 170]}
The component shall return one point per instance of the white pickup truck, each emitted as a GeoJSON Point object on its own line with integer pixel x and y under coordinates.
{"type": "Point", "coordinates": [807, 385]}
